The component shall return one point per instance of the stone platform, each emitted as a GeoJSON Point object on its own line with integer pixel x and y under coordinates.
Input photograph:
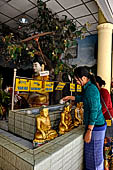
{"type": "Point", "coordinates": [63, 153]}
{"type": "Point", "coordinates": [22, 122]}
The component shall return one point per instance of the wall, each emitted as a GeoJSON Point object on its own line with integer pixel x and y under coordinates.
{"type": "Point", "coordinates": [87, 52]}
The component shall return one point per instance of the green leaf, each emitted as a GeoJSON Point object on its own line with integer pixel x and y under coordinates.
{"type": "Point", "coordinates": [74, 42]}
{"type": "Point", "coordinates": [78, 33]}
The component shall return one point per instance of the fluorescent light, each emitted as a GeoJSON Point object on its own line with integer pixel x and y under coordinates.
{"type": "Point", "coordinates": [23, 20]}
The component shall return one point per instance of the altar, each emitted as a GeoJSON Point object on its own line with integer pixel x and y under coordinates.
{"type": "Point", "coordinates": [63, 153]}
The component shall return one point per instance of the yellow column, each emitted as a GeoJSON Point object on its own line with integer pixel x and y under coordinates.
{"type": "Point", "coordinates": [104, 53]}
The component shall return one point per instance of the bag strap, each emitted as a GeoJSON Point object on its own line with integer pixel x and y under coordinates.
{"type": "Point", "coordinates": [106, 108]}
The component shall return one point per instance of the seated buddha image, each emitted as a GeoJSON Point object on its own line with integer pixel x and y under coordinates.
{"type": "Point", "coordinates": [42, 97]}
{"type": "Point", "coordinates": [44, 131]}
{"type": "Point", "coordinates": [78, 117]}
{"type": "Point", "coordinates": [66, 120]}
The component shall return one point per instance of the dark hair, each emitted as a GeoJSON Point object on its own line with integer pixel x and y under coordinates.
{"type": "Point", "coordinates": [81, 71]}
{"type": "Point", "coordinates": [100, 81]}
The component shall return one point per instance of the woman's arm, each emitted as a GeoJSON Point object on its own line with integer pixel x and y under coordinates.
{"type": "Point", "coordinates": [88, 134]}
{"type": "Point", "coordinates": [68, 98]}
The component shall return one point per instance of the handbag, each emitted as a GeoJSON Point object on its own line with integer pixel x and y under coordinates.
{"type": "Point", "coordinates": [109, 130]}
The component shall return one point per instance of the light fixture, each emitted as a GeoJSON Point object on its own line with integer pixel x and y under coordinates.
{"type": "Point", "coordinates": [23, 20]}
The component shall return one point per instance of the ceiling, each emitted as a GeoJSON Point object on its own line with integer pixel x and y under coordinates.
{"type": "Point", "coordinates": [81, 11]}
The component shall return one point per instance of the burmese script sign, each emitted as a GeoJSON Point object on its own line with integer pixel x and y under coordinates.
{"type": "Point", "coordinates": [35, 86]}
{"type": "Point", "coordinates": [22, 85]}
{"type": "Point", "coordinates": [29, 85]}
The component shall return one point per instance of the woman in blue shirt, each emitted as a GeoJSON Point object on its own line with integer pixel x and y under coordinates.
{"type": "Point", "coordinates": [94, 121]}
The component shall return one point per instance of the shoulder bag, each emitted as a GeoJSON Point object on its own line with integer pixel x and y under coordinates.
{"type": "Point", "coordinates": [109, 130]}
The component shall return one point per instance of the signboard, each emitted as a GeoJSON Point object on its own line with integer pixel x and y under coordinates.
{"type": "Point", "coordinates": [49, 86]}
{"type": "Point", "coordinates": [72, 87]}
{"type": "Point", "coordinates": [22, 85]}
{"type": "Point", "coordinates": [35, 86]}
{"type": "Point", "coordinates": [60, 86]}
{"type": "Point", "coordinates": [44, 73]}
{"type": "Point", "coordinates": [79, 88]}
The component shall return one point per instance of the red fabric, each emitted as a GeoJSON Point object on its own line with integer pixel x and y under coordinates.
{"type": "Point", "coordinates": [107, 99]}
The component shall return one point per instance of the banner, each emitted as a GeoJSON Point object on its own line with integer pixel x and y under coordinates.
{"type": "Point", "coordinates": [79, 88]}
{"type": "Point", "coordinates": [72, 87]}
{"type": "Point", "coordinates": [22, 85]}
{"type": "Point", "coordinates": [49, 86]}
{"type": "Point", "coordinates": [35, 85]}
{"type": "Point", "coordinates": [60, 86]}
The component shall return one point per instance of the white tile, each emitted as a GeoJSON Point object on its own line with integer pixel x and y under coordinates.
{"type": "Point", "coordinates": [54, 148]}
{"type": "Point", "coordinates": [62, 15]}
{"type": "Point", "coordinates": [54, 6]}
{"type": "Point", "coordinates": [41, 156]}
{"type": "Point", "coordinates": [87, 0]}
{"type": "Point", "coordinates": [3, 18]}
{"type": "Point", "coordinates": [85, 19]}
{"type": "Point", "coordinates": [9, 10]}
{"type": "Point", "coordinates": [34, 1]}
{"type": "Point", "coordinates": [0, 151]}
{"type": "Point", "coordinates": [96, 16]}
{"type": "Point", "coordinates": [3, 142]}
{"type": "Point", "coordinates": [13, 148]}
{"type": "Point", "coordinates": [79, 11]}
{"type": "Point", "coordinates": [69, 3]}
{"type": "Point", "coordinates": [67, 158]}
{"type": "Point", "coordinates": [57, 165]}
{"type": "Point", "coordinates": [67, 166]}
{"type": "Point", "coordinates": [27, 157]}
{"type": "Point", "coordinates": [93, 27]}
{"type": "Point", "coordinates": [57, 156]}
{"type": "Point", "coordinates": [23, 165]}
{"type": "Point", "coordinates": [13, 24]}
{"type": "Point", "coordinates": [21, 5]}
{"type": "Point", "coordinates": [67, 148]}
{"type": "Point", "coordinates": [2, 3]}
{"type": "Point", "coordinates": [92, 6]}
{"type": "Point", "coordinates": [32, 13]}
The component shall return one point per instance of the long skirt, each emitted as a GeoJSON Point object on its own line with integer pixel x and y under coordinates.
{"type": "Point", "coordinates": [108, 153]}
{"type": "Point", "coordinates": [93, 151]}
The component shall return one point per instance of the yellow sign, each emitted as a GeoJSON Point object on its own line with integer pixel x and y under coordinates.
{"type": "Point", "coordinates": [60, 86]}
{"type": "Point", "coordinates": [72, 87]}
{"type": "Point", "coordinates": [22, 85]}
{"type": "Point", "coordinates": [35, 85]}
{"type": "Point", "coordinates": [49, 86]}
{"type": "Point", "coordinates": [79, 88]}
{"type": "Point", "coordinates": [108, 122]}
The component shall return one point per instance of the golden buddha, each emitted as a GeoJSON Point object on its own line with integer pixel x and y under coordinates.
{"type": "Point", "coordinates": [66, 120]}
{"type": "Point", "coordinates": [81, 111]}
{"type": "Point", "coordinates": [44, 131]}
{"type": "Point", "coordinates": [78, 117]}
{"type": "Point", "coordinates": [42, 97]}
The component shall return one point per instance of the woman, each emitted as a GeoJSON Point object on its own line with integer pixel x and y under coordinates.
{"type": "Point", "coordinates": [108, 142]}
{"type": "Point", "coordinates": [93, 119]}
{"type": "Point", "coordinates": [106, 97]}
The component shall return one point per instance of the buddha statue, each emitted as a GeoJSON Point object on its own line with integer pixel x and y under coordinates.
{"type": "Point", "coordinates": [44, 131]}
{"type": "Point", "coordinates": [81, 111]}
{"type": "Point", "coordinates": [78, 117]}
{"type": "Point", "coordinates": [66, 120]}
{"type": "Point", "coordinates": [42, 97]}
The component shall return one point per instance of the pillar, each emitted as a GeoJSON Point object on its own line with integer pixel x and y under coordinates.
{"type": "Point", "coordinates": [104, 53]}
